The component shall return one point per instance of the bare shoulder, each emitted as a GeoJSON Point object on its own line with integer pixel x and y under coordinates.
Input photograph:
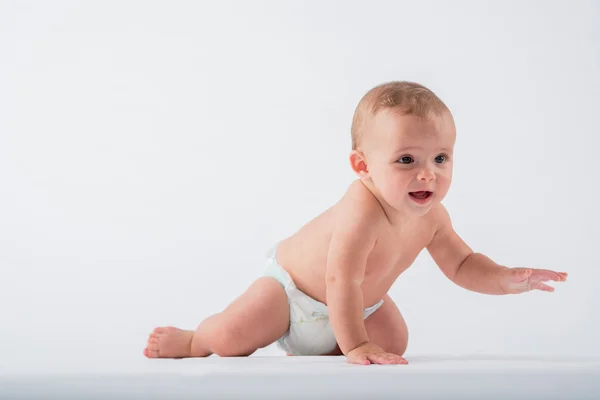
{"type": "Point", "coordinates": [358, 219]}
{"type": "Point", "coordinates": [439, 213]}
{"type": "Point", "coordinates": [439, 218]}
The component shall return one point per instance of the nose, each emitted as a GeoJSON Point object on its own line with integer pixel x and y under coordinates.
{"type": "Point", "coordinates": [426, 175]}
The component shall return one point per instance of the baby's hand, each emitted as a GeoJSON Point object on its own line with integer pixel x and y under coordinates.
{"type": "Point", "coordinates": [370, 353]}
{"type": "Point", "coordinates": [519, 280]}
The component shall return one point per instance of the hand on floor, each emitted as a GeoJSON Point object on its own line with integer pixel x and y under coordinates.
{"type": "Point", "coordinates": [370, 353]}
{"type": "Point", "coordinates": [519, 280]}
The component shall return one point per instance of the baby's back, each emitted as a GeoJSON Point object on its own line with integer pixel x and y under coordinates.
{"type": "Point", "coordinates": [304, 254]}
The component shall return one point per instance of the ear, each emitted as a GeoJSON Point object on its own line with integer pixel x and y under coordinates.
{"type": "Point", "coordinates": [358, 163]}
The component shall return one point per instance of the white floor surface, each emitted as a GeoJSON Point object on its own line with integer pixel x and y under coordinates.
{"type": "Point", "coordinates": [426, 377]}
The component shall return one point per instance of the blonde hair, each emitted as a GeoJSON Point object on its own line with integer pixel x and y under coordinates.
{"type": "Point", "coordinates": [409, 98]}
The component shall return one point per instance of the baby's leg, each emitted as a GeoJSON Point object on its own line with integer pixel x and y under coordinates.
{"type": "Point", "coordinates": [257, 318]}
{"type": "Point", "coordinates": [386, 328]}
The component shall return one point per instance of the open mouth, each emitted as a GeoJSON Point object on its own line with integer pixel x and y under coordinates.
{"type": "Point", "coordinates": [421, 196]}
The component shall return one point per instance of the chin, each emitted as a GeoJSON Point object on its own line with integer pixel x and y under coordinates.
{"type": "Point", "coordinates": [410, 209]}
{"type": "Point", "coordinates": [419, 212]}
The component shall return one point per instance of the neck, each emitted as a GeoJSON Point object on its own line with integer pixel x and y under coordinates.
{"type": "Point", "coordinates": [395, 217]}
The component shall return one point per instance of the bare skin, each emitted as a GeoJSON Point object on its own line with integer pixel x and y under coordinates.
{"type": "Point", "coordinates": [349, 256]}
{"type": "Point", "coordinates": [386, 325]}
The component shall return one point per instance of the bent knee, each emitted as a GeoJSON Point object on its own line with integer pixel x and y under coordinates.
{"type": "Point", "coordinates": [398, 348]}
{"type": "Point", "coordinates": [397, 345]}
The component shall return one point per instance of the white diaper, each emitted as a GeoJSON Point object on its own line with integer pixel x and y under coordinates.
{"type": "Point", "coordinates": [310, 332]}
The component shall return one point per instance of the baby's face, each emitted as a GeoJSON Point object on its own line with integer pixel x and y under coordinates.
{"type": "Point", "coordinates": [410, 159]}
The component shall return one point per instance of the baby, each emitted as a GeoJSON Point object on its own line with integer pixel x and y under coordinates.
{"type": "Point", "coordinates": [324, 290]}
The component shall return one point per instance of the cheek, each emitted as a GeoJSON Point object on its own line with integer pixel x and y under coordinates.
{"type": "Point", "coordinates": [390, 179]}
{"type": "Point", "coordinates": [444, 179]}
{"type": "Point", "coordinates": [396, 182]}
{"type": "Point", "coordinates": [447, 176]}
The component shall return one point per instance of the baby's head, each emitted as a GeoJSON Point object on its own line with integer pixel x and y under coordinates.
{"type": "Point", "coordinates": [402, 145]}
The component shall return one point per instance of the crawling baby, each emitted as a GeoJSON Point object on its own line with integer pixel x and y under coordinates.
{"type": "Point", "coordinates": [324, 289]}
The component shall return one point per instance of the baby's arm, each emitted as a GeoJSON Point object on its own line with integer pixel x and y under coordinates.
{"type": "Point", "coordinates": [475, 271]}
{"type": "Point", "coordinates": [472, 271]}
{"type": "Point", "coordinates": [354, 236]}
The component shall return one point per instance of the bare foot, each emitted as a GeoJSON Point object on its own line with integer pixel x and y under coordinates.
{"type": "Point", "coordinates": [169, 342]}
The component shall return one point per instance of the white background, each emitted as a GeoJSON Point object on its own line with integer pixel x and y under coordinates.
{"type": "Point", "coordinates": [152, 152]}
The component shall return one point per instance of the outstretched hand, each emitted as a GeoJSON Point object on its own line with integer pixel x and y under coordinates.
{"type": "Point", "coordinates": [519, 280]}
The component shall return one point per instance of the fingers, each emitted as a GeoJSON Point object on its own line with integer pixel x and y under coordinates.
{"type": "Point", "coordinates": [360, 359]}
{"type": "Point", "coordinates": [377, 358]}
{"type": "Point", "coordinates": [544, 287]}
{"type": "Point", "coordinates": [520, 274]}
{"type": "Point", "coordinates": [563, 275]}
{"type": "Point", "coordinates": [547, 275]}
{"type": "Point", "coordinates": [399, 360]}
{"type": "Point", "coordinates": [386, 358]}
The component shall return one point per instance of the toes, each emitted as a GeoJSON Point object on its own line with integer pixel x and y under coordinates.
{"type": "Point", "coordinates": [153, 340]}
{"type": "Point", "coordinates": [152, 346]}
{"type": "Point", "coordinates": [159, 330]}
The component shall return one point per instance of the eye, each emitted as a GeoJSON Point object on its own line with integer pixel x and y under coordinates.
{"type": "Point", "coordinates": [440, 159]}
{"type": "Point", "coordinates": [406, 160]}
